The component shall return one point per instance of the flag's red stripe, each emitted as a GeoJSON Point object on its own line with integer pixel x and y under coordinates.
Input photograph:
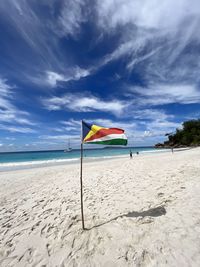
{"type": "Point", "coordinates": [103, 132]}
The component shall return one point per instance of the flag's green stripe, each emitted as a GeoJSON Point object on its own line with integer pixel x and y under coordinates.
{"type": "Point", "coordinates": [122, 142]}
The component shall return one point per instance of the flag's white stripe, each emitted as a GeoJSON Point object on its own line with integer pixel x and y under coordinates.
{"type": "Point", "coordinates": [109, 137]}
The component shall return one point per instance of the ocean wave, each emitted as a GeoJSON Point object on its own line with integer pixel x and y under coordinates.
{"type": "Point", "coordinates": [52, 162]}
{"type": "Point", "coordinates": [37, 163]}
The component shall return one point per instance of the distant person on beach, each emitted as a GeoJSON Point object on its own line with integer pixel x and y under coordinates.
{"type": "Point", "coordinates": [131, 154]}
{"type": "Point", "coordinates": [137, 153]}
{"type": "Point", "coordinates": [172, 150]}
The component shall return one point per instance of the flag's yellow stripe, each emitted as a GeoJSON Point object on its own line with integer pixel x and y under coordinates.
{"type": "Point", "coordinates": [93, 130]}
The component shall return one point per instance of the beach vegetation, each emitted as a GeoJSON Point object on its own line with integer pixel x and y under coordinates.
{"type": "Point", "coordinates": [189, 135]}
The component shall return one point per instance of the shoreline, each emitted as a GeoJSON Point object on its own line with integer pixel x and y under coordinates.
{"type": "Point", "coordinates": [11, 166]}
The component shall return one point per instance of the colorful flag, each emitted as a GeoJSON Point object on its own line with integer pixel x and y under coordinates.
{"type": "Point", "coordinates": [93, 134]}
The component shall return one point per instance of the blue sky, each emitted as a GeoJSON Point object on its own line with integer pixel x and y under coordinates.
{"type": "Point", "coordinates": [117, 63]}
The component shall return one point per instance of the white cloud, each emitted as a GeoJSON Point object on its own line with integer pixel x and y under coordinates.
{"type": "Point", "coordinates": [4, 88]}
{"type": "Point", "coordinates": [70, 19]}
{"type": "Point", "coordinates": [165, 15]}
{"type": "Point", "coordinates": [160, 128]}
{"type": "Point", "coordinates": [70, 125]}
{"type": "Point", "coordinates": [16, 129]}
{"type": "Point", "coordinates": [27, 23]}
{"type": "Point", "coordinates": [71, 122]}
{"type": "Point", "coordinates": [150, 114]}
{"type": "Point", "coordinates": [9, 113]}
{"type": "Point", "coordinates": [10, 138]}
{"type": "Point", "coordinates": [25, 121]}
{"type": "Point", "coordinates": [160, 94]}
{"type": "Point", "coordinates": [52, 78]}
{"type": "Point", "coordinates": [81, 103]}
{"type": "Point", "coordinates": [151, 31]}
{"type": "Point", "coordinates": [40, 35]}
{"type": "Point", "coordinates": [157, 124]}
{"type": "Point", "coordinates": [153, 35]}
{"type": "Point", "coordinates": [148, 30]}
{"type": "Point", "coordinates": [60, 138]}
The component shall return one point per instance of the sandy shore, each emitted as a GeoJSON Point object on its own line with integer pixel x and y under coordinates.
{"type": "Point", "coordinates": [140, 212]}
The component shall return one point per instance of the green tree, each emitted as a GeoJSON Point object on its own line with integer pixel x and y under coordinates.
{"type": "Point", "coordinates": [189, 135]}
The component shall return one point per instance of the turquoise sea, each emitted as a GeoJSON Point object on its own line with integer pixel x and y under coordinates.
{"type": "Point", "coordinates": [35, 158]}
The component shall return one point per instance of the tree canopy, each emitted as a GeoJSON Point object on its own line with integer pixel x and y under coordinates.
{"type": "Point", "coordinates": [189, 135]}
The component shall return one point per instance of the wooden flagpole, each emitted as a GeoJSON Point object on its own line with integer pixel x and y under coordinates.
{"type": "Point", "coordinates": [81, 176]}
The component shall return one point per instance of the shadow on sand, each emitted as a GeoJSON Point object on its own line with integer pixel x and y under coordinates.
{"type": "Point", "coordinates": [154, 212]}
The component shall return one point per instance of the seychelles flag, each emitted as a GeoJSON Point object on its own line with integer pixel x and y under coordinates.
{"type": "Point", "coordinates": [93, 134]}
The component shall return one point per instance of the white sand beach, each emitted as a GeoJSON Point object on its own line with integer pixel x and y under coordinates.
{"type": "Point", "coordinates": [139, 212]}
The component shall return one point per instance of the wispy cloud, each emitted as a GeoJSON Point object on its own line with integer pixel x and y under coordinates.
{"type": "Point", "coordinates": [9, 113]}
{"type": "Point", "coordinates": [148, 14]}
{"type": "Point", "coordinates": [152, 42]}
{"type": "Point", "coordinates": [52, 78]}
{"type": "Point", "coordinates": [83, 103]}
{"type": "Point", "coordinates": [61, 138]}
{"type": "Point", "coordinates": [151, 45]}
{"type": "Point", "coordinates": [72, 15]}
{"type": "Point", "coordinates": [32, 27]}
{"type": "Point", "coordinates": [16, 129]}
{"type": "Point", "coordinates": [161, 94]}
{"type": "Point", "coordinates": [160, 128]}
{"type": "Point", "coordinates": [70, 125]}
{"type": "Point", "coordinates": [150, 114]}
{"type": "Point", "coordinates": [41, 36]}
{"type": "Point", "coordinates": [10, 138]}
{"type": "Point", "coordinates": [146, 35]}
